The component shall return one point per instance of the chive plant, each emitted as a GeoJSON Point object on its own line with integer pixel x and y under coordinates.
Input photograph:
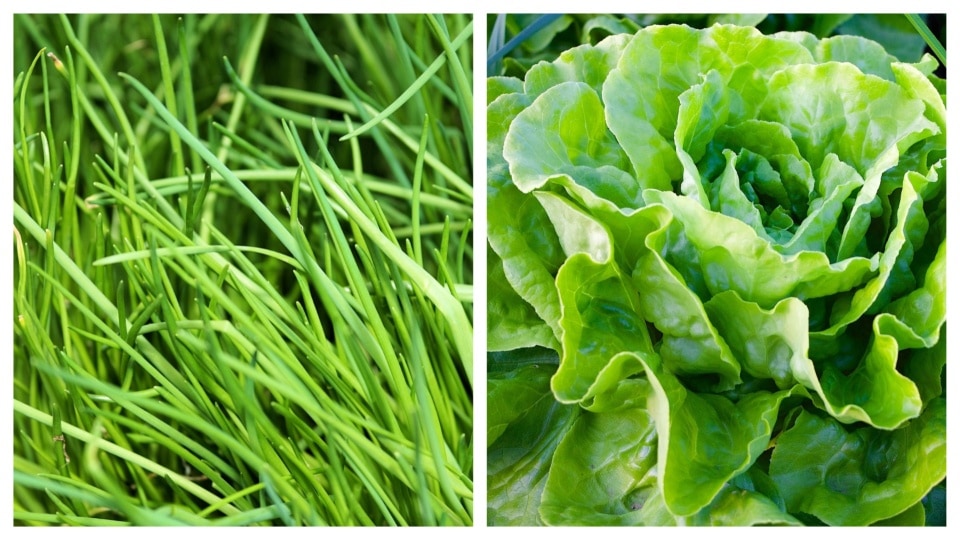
{"type": "Point", "coordinates": [242, 270]}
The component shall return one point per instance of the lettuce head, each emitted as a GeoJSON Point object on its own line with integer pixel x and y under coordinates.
{"type": "Point", "coordinates": [717, 283]}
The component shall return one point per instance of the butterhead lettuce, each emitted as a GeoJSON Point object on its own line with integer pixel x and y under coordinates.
{"type": "Point", "coordinates": [735, 244]}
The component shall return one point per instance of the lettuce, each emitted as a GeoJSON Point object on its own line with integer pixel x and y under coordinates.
{"type": "Point", "coordinates": [717, 283]}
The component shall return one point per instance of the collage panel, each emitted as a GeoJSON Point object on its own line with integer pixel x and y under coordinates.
{"type": "Point", "coordinates": [242, 270]}
{"type": "Point", "coordinates": [716, 270]}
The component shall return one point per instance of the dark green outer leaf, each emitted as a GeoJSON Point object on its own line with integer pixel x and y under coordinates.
{"type": "Point", "coordinates": [859, 476]}
{"type": "Point", "coordinates": [519, 459]}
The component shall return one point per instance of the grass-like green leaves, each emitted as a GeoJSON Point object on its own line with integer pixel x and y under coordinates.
{"type": "Point", "coordinates": [224, 313]}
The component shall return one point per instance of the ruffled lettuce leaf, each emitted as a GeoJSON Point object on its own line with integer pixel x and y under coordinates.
{"type": "Point", "coordinates": [513, 323]}
{"type": "Point", "coordinates": [604, 469]}
{"type": "Point", "coordinates": [518, 229]}
{"type": "Point", "coordinates": [859, 476]}
{"type": "Point", "coordinates": [527, 425]}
